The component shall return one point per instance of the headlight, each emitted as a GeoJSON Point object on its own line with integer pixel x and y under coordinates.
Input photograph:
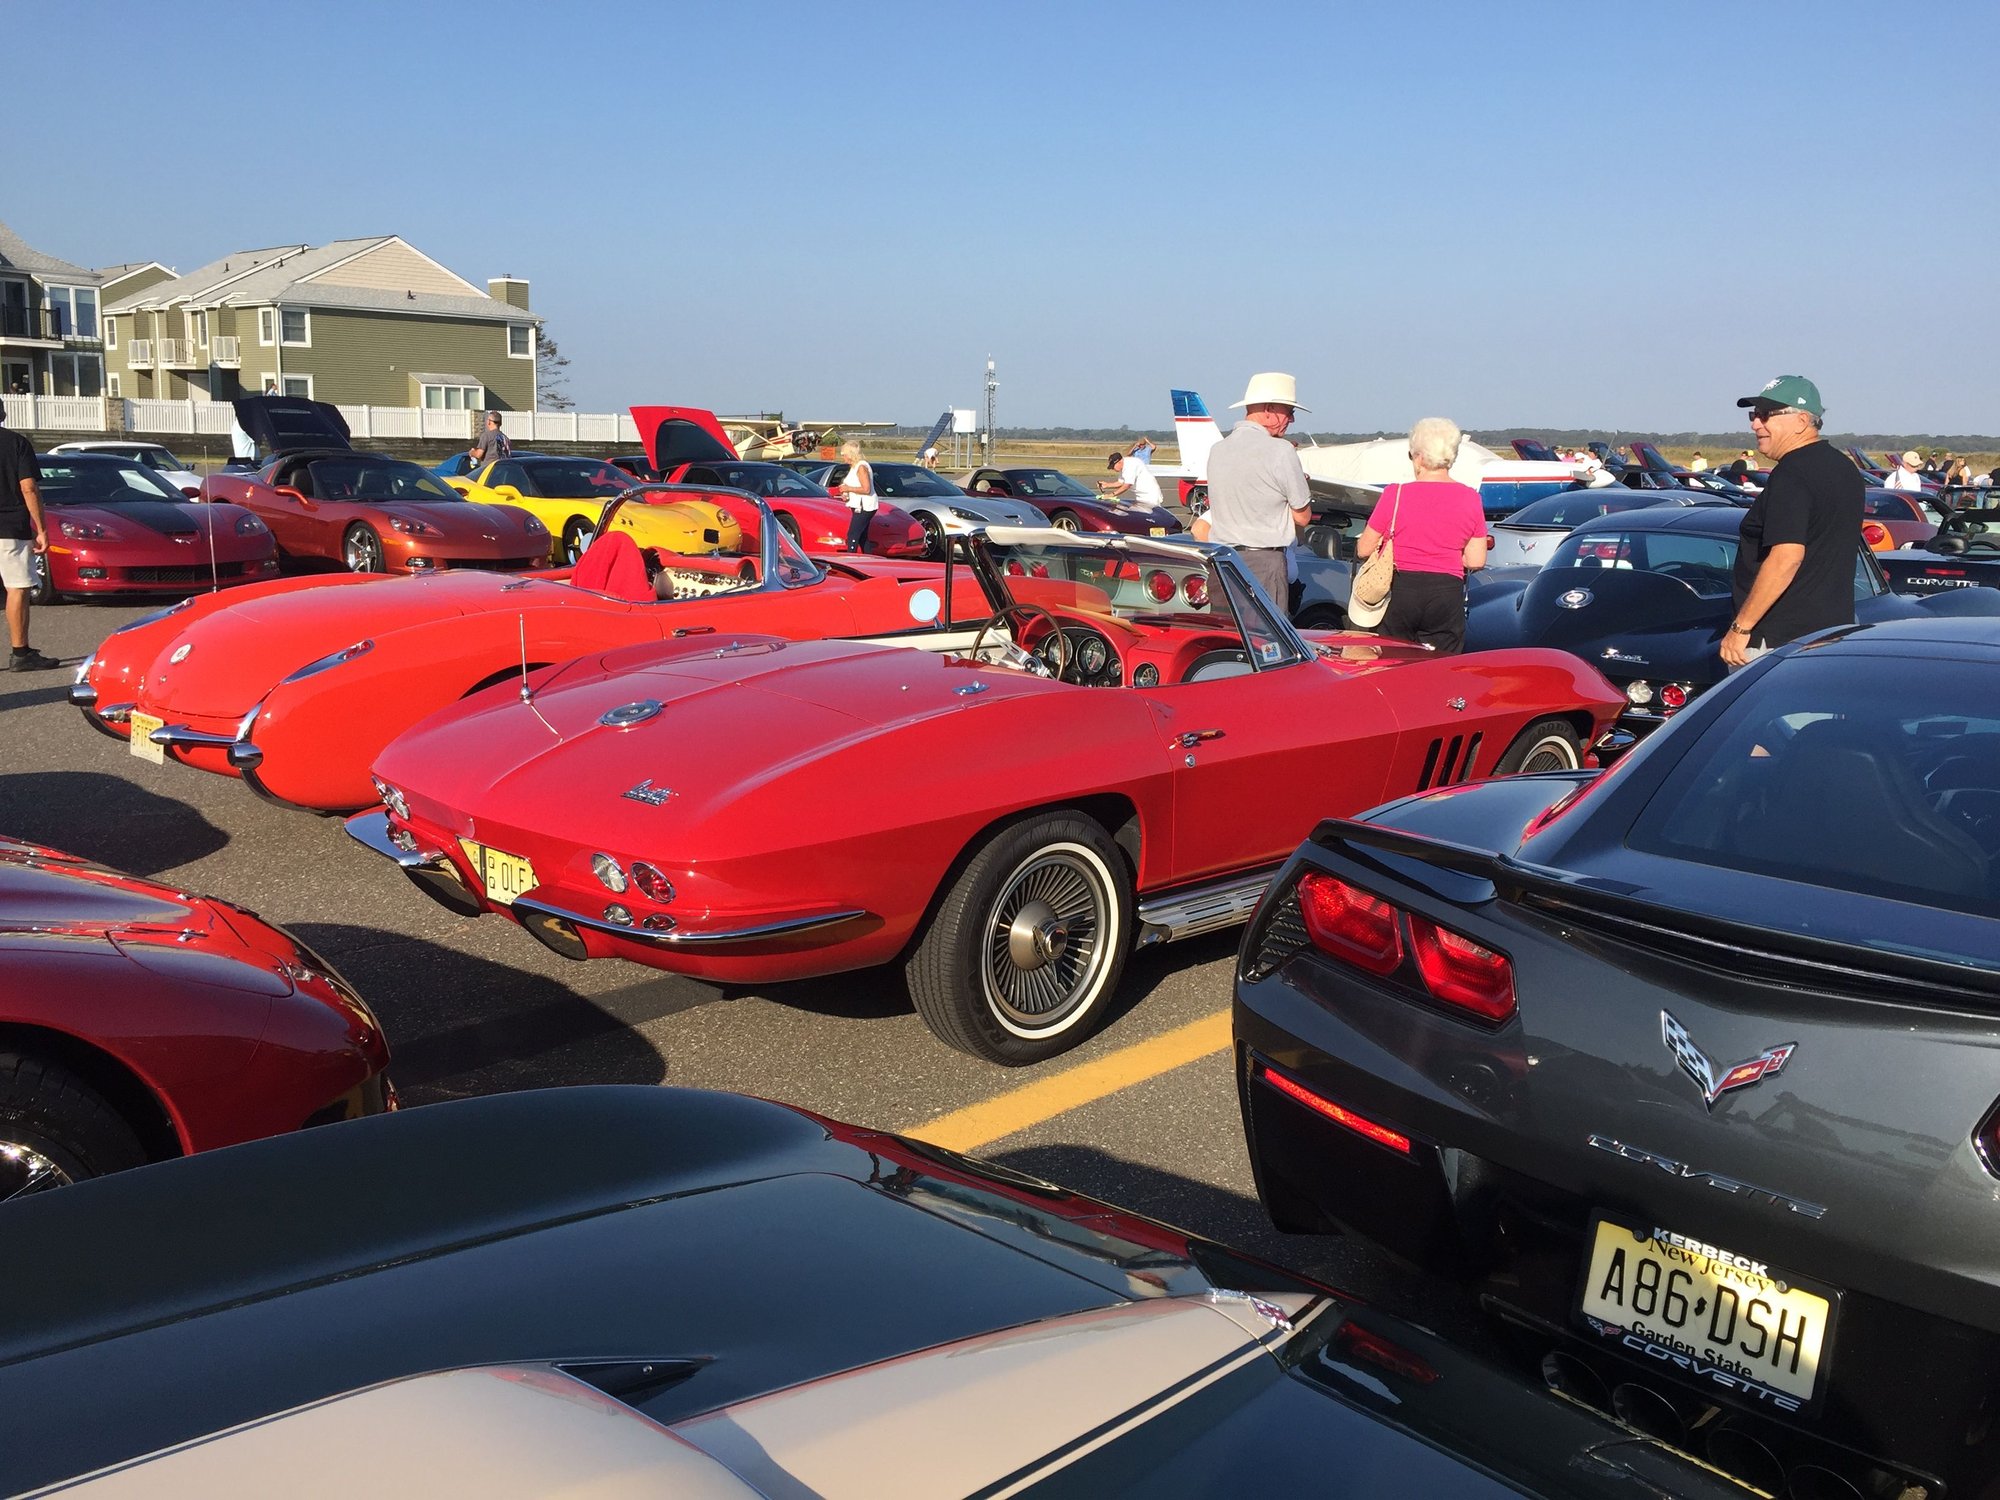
{"type": "Point", "coordinates": [332, 659]}
{"type": "Point", "coordinates": [536, 528]}
{"type": "Point", "coordinates": [411, 528]}
{"type": "Point", "coordinates": [966, 515]}
{"type": "Point", "coordinates": [79, 531]}
{"type": "Point", "coordinates": [156, 616]}
{"type": "Point", "coordinates": [250, 526]}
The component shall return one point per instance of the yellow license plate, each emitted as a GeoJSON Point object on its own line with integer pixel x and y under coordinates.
{"type": "Point", "coordinates": [1708, 1312]}
{"type": "Point", "coordinates": [143, 726]}
{"type": "Point", "coordinates": [504, 875]}
{"type": "Point", "coordinates": [1159, 531]}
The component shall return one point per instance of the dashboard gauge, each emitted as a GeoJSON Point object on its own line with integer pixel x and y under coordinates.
{"type": "Point", "coordinates": [1146, 675]}
{"type": "Point", "coordinates": [1091, 655]}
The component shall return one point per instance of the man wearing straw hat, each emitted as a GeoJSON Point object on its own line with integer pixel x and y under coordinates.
{"type": "Point", "coordinates": [1257, 495]}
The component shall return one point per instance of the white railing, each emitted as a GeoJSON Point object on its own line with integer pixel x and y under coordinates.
{"type": "Point", "coordinates": [139, 354]}
{"type": "Point", "coordinates": [177, 354]}
{"type": "Point", "coordinates": [56, 413]}
{"type": "Point", "coordinates": [227, 351]}
{"type": "Point", "coordinates": [365, 423]}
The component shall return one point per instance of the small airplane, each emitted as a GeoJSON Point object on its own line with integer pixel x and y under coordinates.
{"type": "Point", "coordinates": [769, 436]}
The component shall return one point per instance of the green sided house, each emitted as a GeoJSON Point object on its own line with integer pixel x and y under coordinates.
{"type": "Point", "coordinates": [364, 322]}
{"type": "Point", "coordinates": [50, 324]}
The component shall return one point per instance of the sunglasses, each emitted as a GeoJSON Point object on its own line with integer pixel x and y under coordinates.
{"type": "Point", "coordinates": [1765, 413]}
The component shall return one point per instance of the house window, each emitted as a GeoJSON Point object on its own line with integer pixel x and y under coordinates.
{"type": "Point", "coordinates": [454, 397]}
{"type": "Point", "coordinates": [65, 312]}
{"type": "Point", "coordinates": [75, 309]}
{"type": "Point", "coordinates": [75, 375]}
{"type": "Point", "coordinates": [114, 379]}
{"type": "Point", "coordinates": [296, 327]}
{"type": "Point", "coordinates": [267, 326]}
{"type": "Point", "coordinates": [299, 385]}
{"type": "Point", "coordinates": [520, 341]}
{"type": "Point", "coordinates": [86, 312]}
{"type": "Point", "coordinates": [197, 328]}
{"type": "Point", "coordinates": [111, 336]}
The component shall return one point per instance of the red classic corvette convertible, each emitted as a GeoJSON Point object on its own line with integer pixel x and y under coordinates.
{"type": "Point", "coordinates": [139, 1022]}
{"type": "Point", "coordinates": [296, 685]}
{"type": "Point", "coordinates": [330, 505]}
{"type": "Point", "coordinates": [717, 806]}
{"type": "Point", "coordinates": [116, 527]}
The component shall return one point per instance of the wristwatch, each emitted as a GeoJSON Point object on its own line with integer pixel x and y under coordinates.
{"type": "Point", "coordinates": [1739, 629]}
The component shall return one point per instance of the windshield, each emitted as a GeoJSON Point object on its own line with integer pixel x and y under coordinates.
{"type": "Point", "coordinates": [898, 480]}
{"type": "Point", "coordinates": [1573, 508]}
{"type": "Point", "coordinates": [574, 478]}
{"type": "Point", "coordinates": [1886, 505]}
{"type": "Point", "coordinates": [1906, 748]}
{"type": "Point", "coordinates": [1704, 564]}
{"type": "Point", "coordinates": [101, 481]}
{"type": "Point", "coordinates": [693, 548]}
{"type": "Point", "coordinates": [1032, 482]}
{"type": "Point", "coordinates": [372, 479]}
{"type": "Point", "coordinates": [768, 480]}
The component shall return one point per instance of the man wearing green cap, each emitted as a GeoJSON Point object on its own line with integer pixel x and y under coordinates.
{"type": "Point", "coordinates": [1795, 566]}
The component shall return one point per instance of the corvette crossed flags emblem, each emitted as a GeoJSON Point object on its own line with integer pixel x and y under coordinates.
{"type": "Point", "coordinates": [1713, 1084]}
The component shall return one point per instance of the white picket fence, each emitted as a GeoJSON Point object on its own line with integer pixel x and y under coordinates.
{"type": "Point", "coordinates": [57, 413]}
{"type": "Point", "coordinates": [189, 418]}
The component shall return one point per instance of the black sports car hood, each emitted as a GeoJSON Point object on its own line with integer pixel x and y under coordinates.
{"type": "Point", "coordinates": [289, 424]}
{"type": "Point", "coordinates": [167, 517]}
{"type": "Point", "coordinates": [1625, 622]}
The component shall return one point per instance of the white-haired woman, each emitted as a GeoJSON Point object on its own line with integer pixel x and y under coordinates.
{"type": "Point", "coordinates": [857, 488]}
{"type": "Point", "coordinates": [1440, 533]}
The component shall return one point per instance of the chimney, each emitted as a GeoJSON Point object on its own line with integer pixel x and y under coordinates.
{"type": "Point", "coordinates": [510, 290]}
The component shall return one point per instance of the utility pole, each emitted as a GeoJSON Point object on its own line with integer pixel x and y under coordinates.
{"type": "Point", "coordinates": [992, 385]}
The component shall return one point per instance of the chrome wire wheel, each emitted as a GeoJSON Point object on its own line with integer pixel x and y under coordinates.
{"type": "Point", "coordinates": [1556, 753]}
{"type": "Point", "coordinates": [24, 1170]}
{"type": "Point", "coordinates": [1545, 745]}
{"type": "Point", "coordinates": [1046, 939]}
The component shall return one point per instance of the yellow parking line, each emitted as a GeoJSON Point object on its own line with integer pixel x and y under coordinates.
{"type": "Point", "coordinates": [982, 1124]}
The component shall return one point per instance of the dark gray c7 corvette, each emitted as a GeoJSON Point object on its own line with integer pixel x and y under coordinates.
{"type": "Point", "coordinates": [1689, 1068]}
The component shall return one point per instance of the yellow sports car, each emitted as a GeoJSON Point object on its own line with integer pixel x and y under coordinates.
{"type": "Point", "coordinates": [567, 495]}
{"type": "Point", "coordinates": [679, 521]}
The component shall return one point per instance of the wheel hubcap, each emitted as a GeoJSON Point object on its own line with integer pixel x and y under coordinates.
{"type": "Point", "coordinates": [1045, 940]}
{"type": "Point", "coordinates": [25, 1170]}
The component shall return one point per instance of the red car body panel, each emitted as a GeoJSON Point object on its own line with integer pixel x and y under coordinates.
{"type": "Point", "coordinates": [1894, 518]}
{"type": "Point", "coordinates": [1090, 512]}
{"type": "Point", "coordinates": [135, 558]}
{"type": "Point", "coordinates": [714, 788]}
{"type": "Point", "coordinates": [312, 530]}
{"type": "Point", "coordinates": [428, 641]}
{"type": "Point", "coordinates": [231, 1028]}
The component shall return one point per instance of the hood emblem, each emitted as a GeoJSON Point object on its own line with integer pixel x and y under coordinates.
{"type": "Point", "coordinates": [1713, 1085]}
{"type": "Point", "coordinates": [1612, 653]}
{"type": "Point", "coordinates": [1574, 599]}
{"type": "Point", "coordinates": [649, 794]}
{"type": "Point", "coordinates": [180, 653]}
{"type": "Point", "coordinates": [625, 715]}
{"type": "Point", "coordinates": [185, 541]}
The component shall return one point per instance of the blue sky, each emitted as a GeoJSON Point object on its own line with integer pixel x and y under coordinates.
{"type": "Point", "coordinates": [1522, 213]}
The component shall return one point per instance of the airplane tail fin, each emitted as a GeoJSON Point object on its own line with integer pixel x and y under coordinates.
{"type": "Point", "coordinates": [1195, 432]}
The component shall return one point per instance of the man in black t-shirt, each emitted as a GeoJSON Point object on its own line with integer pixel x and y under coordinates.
{"type": "Point", "coordinates": [22, 540]}
{"type": "Point", "coordinates": [1795, 567]}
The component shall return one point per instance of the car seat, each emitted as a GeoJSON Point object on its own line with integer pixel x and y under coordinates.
{"type": "Point", "coordinates": [613, 565]}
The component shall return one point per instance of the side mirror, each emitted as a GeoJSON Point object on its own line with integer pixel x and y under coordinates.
{"type": "Point", "coordinates": [508, 490]}
{"type": "Point", "coordinates": [192, 491]}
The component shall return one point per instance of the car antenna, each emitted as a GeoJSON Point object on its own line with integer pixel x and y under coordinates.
{"type": "Point", "coordinates": [527, 693]}
{"type": "Point", "coordinates": [214, 573]}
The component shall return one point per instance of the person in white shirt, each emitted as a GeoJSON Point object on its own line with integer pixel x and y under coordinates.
{"type": "Point", "coordinates": [1135, 484]}
{"type": "Point", "coordinates": [1904, 475]}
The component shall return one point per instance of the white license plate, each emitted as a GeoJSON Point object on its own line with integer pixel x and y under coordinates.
{"type": "Point", "coordinates": [142, 746]}
{"type": "Point", "coordinates": [1708, 1312]}
{"type": "Point", "coordinates": [504, 875]}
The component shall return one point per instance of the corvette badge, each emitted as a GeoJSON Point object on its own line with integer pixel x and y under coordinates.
{"type": "Point", "coordinates": [1713, 1083]}
{"type": "Point", "coordinates": [1574, 599]}
{"type": "Point", "coordinates": [646, 792]}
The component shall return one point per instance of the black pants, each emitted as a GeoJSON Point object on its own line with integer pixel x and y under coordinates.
{"type": "Point", "coordinates": [857, 529]}
{"type": "Point", "coordinates": [1428, 608]}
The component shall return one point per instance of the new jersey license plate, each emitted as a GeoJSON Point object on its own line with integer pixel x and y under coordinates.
{"type": "Point", "coordinates": [1708, 1312]}
{"type": "Point", "coordinates": [142, 744]}
{"type": "Point", "coordinates": [504, 875]}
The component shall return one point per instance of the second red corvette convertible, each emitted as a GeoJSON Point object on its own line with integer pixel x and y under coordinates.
{"type": "Point", "coordinates": [1006, 814]}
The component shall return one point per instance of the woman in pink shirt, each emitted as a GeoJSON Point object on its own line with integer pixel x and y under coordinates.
{"type": "Point", "coordinates": [1440, 533]}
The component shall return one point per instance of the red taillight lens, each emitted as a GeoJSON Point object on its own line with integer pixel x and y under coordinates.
{"type": "Point", "coordinates": [1875, 534]}
{"type": "Point", "coordinates": [1015, 570]}
{"type": "Point", "coordinates": [1673, 695]}
{"type": "Point", "coordinates": [1382, 1135]}
{"type": "Point", "coordinates": [1195, 590]}
{"type": "Point", "coordinates": [1460, 972]}
{"type": "Point", "coordinates": [1350, 924]}
{"type": "Point", "coordinates": [1041, 570]}
{"type": "Point", "coordinates": [1160, 586]}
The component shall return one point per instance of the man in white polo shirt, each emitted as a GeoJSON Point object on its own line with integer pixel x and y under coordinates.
{"type": "Point", "coordinates": [1904, 475]}
{"type": "Point", "coordinates": [1135, 484]}
{"type": "Point", "coordinates": [1257, 495]}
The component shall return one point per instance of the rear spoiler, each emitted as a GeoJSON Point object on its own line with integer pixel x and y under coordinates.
{"type": "Point", "coordinates": [1758, 953]}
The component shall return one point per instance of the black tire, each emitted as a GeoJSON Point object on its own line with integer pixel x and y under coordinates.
{"type": "Point", "coordinates": [972, 972]}
{"type": "Point", "coordinates": [577, 535]}
{"type": "Point", "coordinates": [1545, 745]}
{"type": "Point", "coordinates": [361, 549]}
{"type": "Point", "coordinates": [934, 540]}
{"type": "Point", "coordinates": [1065, 520]}
{"type": "Point", "coordinates": [1322, 617]}
{"type": "Point", "coordinates": [791, 529]}
{"type": "Point", "coordinates": [41, 591]}
{"type": "Point", "coordinates": [55, 1129]}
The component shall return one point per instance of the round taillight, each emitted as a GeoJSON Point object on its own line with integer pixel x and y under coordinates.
{"type": "Point", "coordinates": [1875, 534]}
{"type": "Point", "coordinates": [1195, 590]}
{"type": "Point", "coordinates": [1673, 695]}
{"type": "Point", "coordinates": [1160, 585]}
{"type": "Point", "coordinates": [1639, 694]}
{"type": "Point", "coordinates": [1015, 570]}
{"type": "Point", "coordinates": [651, 883]}
{"type": "Point", "coordinates": [1041, 570]}
{"type": "Point", "coordinates": [605, 868]}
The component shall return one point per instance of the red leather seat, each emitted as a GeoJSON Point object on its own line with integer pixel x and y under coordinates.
{"type": "Point", "coordinates": [613, 565]}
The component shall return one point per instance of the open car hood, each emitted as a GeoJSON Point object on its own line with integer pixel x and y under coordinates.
{"type": "Point", "coordinates": [291, 424]}
{"type": "Point", "coordinates": [677, 435]}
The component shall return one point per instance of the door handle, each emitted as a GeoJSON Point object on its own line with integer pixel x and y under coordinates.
{"type": "Point", "coordinates": [1195, 736]}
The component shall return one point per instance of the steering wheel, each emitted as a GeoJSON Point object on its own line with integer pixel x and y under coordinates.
{"type": "Point", "coordinates": [1012, 653]}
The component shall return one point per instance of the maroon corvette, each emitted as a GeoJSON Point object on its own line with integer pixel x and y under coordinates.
{"type": "Point", "coordinates": [331, 505]}
{"type": "Point", "coordinates": [139, 1022]}
{"type": "Point", "coordinates": [116, 527]}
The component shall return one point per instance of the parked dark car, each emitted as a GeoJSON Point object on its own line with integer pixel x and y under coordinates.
{"type": "Point", "coordinates": [1644, 596]}
{"type": "Point", "coordinates": [1686, 1067]}
{"type": "Point", "coordinates": [1965, 553]}
{"type": "Point", "coordinates": [702, 1294]}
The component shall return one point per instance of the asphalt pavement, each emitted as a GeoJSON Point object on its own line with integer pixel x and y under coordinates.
{"type": "Point", "coordinates": [477, 1006]}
